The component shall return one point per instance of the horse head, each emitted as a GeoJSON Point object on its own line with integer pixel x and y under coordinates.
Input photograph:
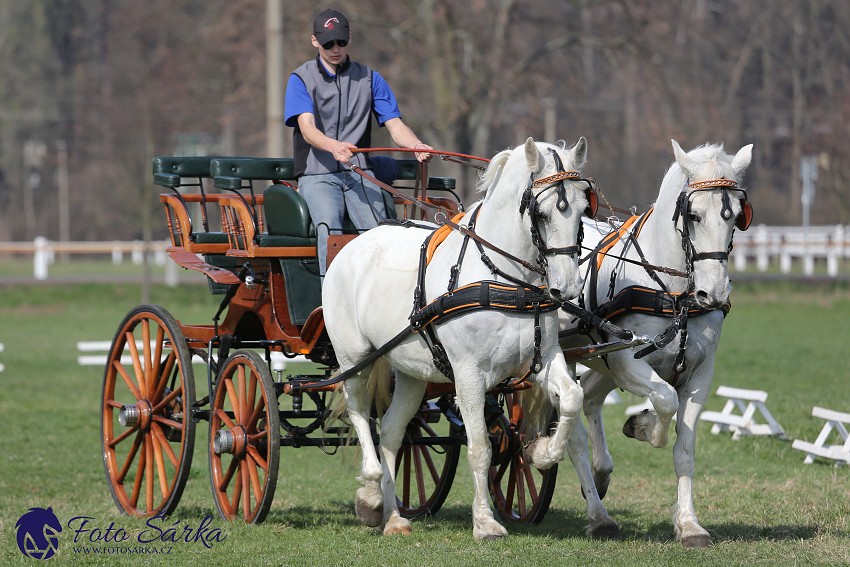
{"type": "Point", "coordinates": [710, 205]}
{"type": "Point", "coordinates": [544, 181]}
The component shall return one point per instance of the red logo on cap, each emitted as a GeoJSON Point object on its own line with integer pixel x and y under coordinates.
{"type": "Point", "coordinates": [330, 23]}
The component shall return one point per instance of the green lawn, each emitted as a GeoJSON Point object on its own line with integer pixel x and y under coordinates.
{"type": "Point", "coordinates": [761, 504]}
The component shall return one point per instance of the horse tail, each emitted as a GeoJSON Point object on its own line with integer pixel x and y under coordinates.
{"type": "Point", "coordinates": [536, 411]}
{"type": "Point", "coordinates": [378, 387]}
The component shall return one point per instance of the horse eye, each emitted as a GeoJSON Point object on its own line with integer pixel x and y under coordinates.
{"type": "Point", "coordinates": [694, 217]}
{"type": "Point", "coordinates": [542, 217]}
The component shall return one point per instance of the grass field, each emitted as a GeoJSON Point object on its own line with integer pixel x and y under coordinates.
{"type": "Point", "coordinates": [758, 500]}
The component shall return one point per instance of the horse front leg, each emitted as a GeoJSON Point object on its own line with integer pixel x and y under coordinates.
{"type": "Point", "coordinates": [368, 502]}
{"type": "Point", "coordinates": [651, 427]}
{"type": "Point", "coordinates": [602, 526]}
{"type": "Point", "coordinates": [566, 395]}
{"type": "Point", "coordinates": [470, 400]}
{"type": "Point", "coordinates": [407, 398]}
{"type": "Point", "coordinates": [692, 398]}
{"type": "Point", "coordinates": [596, 387]}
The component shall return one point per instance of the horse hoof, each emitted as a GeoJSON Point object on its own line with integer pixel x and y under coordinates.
{"type": "Point", "coordinates": [605, 531]}
{"type": "Point", "coordinates": [630, 427]}
{"type": "Point", "coordinates": [372, 517]}
{"type": "Point", "coordinates": [398, 530]}
{"type": "Point", "coordinates": [493, 537]}
{"type": "Point", "coordinates": [700, 540]}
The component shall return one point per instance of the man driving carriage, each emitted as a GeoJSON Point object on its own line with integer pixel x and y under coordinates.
{"type": "Point", "coordinates": [329, 103]}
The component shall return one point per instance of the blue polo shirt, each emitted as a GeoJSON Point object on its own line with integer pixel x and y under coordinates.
{"type": "Point", "coordinates": [298, 100]}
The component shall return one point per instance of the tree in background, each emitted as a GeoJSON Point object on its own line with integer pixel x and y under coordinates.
{"type": "Point", "coordinates": [120, 81]}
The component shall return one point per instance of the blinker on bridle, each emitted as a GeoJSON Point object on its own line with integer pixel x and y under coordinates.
{"type": "Point", "coordinates": [530, 201]}
{"type": "Point", "coordinates": [745, 218]}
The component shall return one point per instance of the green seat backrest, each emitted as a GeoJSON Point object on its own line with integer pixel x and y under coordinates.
{"type": "Point", "coordinates": [230, 172]}
{"type": "Point", "coordinates": [286, 213]}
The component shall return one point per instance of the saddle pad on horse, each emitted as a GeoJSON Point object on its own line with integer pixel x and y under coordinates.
{"type": "Point", "coordinates": [439, 236]}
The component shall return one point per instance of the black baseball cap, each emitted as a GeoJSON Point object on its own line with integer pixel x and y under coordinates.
{"type": "Point", "coordinates": [330, 25]}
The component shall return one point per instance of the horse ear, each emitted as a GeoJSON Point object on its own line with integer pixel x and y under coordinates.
{"type": "Point", "coordinates": [742, 159]}
{"type": "Point", "coordinates": [683, 159]}
{"type": "Point", "coordinates": [533, 156]}
{"type": "Point", "coordinates": [579, 153]}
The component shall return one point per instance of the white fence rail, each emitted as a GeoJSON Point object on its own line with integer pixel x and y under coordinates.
{"type": "Point", "coordinates": [762, 246]}
{"type": "Point", "coordinates": [766, 245]}
{"type": "Point", "coordinates": [44, 254]}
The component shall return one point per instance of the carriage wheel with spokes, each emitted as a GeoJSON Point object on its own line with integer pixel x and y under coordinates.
{"type": "Point", "coordinates": [147, 432]}
{"type": "Point", "coordinates": [426, 464]}
{"type": "Point", "coordinates": [244, 444]}
{"type": "Point", "coordinates": [520, 493]}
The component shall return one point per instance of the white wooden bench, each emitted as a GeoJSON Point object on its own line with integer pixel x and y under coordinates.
{"type": "Point", "coordinates": [98, 351]}
{"type": "Point", "coordinates": [751, 405]}
{"type": "Point", "coordinates": [835, 420]}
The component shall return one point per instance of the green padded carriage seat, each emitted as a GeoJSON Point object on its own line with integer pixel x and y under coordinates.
{"type": "Point", "coordinates": [176, 172]}
{"type": "Point", "coordinates": [288, 224]}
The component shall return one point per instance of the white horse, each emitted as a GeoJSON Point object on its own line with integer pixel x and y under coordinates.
{"type": "Point", "coordinates": [368, 294]}
{"type": "Point", "coordinates": [690, 231]}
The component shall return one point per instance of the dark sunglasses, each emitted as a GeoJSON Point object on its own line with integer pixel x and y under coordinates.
{"type": "Point", "coordinates": [330, 44]}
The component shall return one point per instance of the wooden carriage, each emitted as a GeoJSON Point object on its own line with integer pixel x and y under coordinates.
{"type": "Point", "coordinates": [258, 252]}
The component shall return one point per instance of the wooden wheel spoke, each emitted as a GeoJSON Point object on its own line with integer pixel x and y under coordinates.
{"type": "Point", "coordinates": [518, 485]}
{"type": "Point", "coordinates": [529, 481]}
{"type": "Point", "coordinates": [254, 477]}
{"type": "Point", "coordinates": [166, 446]}
{"type": "Point", "coordinates": [140, 470]}
{"type": "Point", "coordinates": [127, 380]}
{"type": "Point", "coordinates": [246, 488]}
{"type": "Point", "coordinates": [149, 465]}
{"type": "Point", "coordinates": [249, 401]}
{"type": "Point", "coordinates": [237, 487]}
{"type": "Point", "coordinates": [242, 408]}
{"type": "Point", "coordinates": [155, 375]}
{"type": "Point", "coordinates": [167, 399]}
{"type": "Point", "coordinates": [255, 455]}
{"type": "Point", "coordinates": [420, 477]}
{"type": "Point", "coordinates": [147, 362]}
{"type": "Point", "coordinates": [163, 376]}
{"type": "Point", "coordinates": [130, 456]}
{"type": "Point", "coordinates": [114, 404]}
{"type": "Point", "coordinates": [130, 338]}
{"type": "Point", "coordinates": [228, 476]}
{"type": "Point", "coordinates": [255, 415]}
{"type": "Point", "coordinates": [123, 436]}
{"type": "Point", "coordinates": [509, 495]}
{"type": "Point", "coordinates": [406, 460]}
{"type": "Point", "coordinates": [222, 415]}
{"type": "Point", "coordinates": [234, 399]}
{"type": "Point", "coordinates": [159, 461]}
{"type": "Point", "coordinates": [169, 422]}
{"type": "Point", "coordinates": [499, 473]}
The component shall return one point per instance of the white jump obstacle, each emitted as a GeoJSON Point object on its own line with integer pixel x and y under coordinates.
{"type": "Point", "coordinates": [835, 421]}
{"type": "Point", "coordinates": [751, 405]}
{"type": "Point", "coordinates": [2, 368]}
{"type": "Point", "coordinates": [101, 348]}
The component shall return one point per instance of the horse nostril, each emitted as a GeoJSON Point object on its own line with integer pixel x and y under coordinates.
{"type": "Point", "coordinates": [555, 294]}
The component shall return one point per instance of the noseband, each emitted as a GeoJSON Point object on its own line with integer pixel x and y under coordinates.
{"type": "Point", "coordinates": [531, 201]}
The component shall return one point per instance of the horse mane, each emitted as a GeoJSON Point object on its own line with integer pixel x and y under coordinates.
{"type": "Point", "coordinates": [490, 176]}
{"type": "Point", "coordinates": [713, 163]}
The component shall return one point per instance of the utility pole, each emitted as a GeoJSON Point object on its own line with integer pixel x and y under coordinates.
{"type": "Point", "coordinates": [274, 78]}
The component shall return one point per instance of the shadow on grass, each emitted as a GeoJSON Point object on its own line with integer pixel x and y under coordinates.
{"type": "Point", "coordinates": [558, 523]}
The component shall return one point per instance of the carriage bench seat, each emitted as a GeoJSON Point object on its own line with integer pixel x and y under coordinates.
{"type": "Point", "coordinates": [176, 173]}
